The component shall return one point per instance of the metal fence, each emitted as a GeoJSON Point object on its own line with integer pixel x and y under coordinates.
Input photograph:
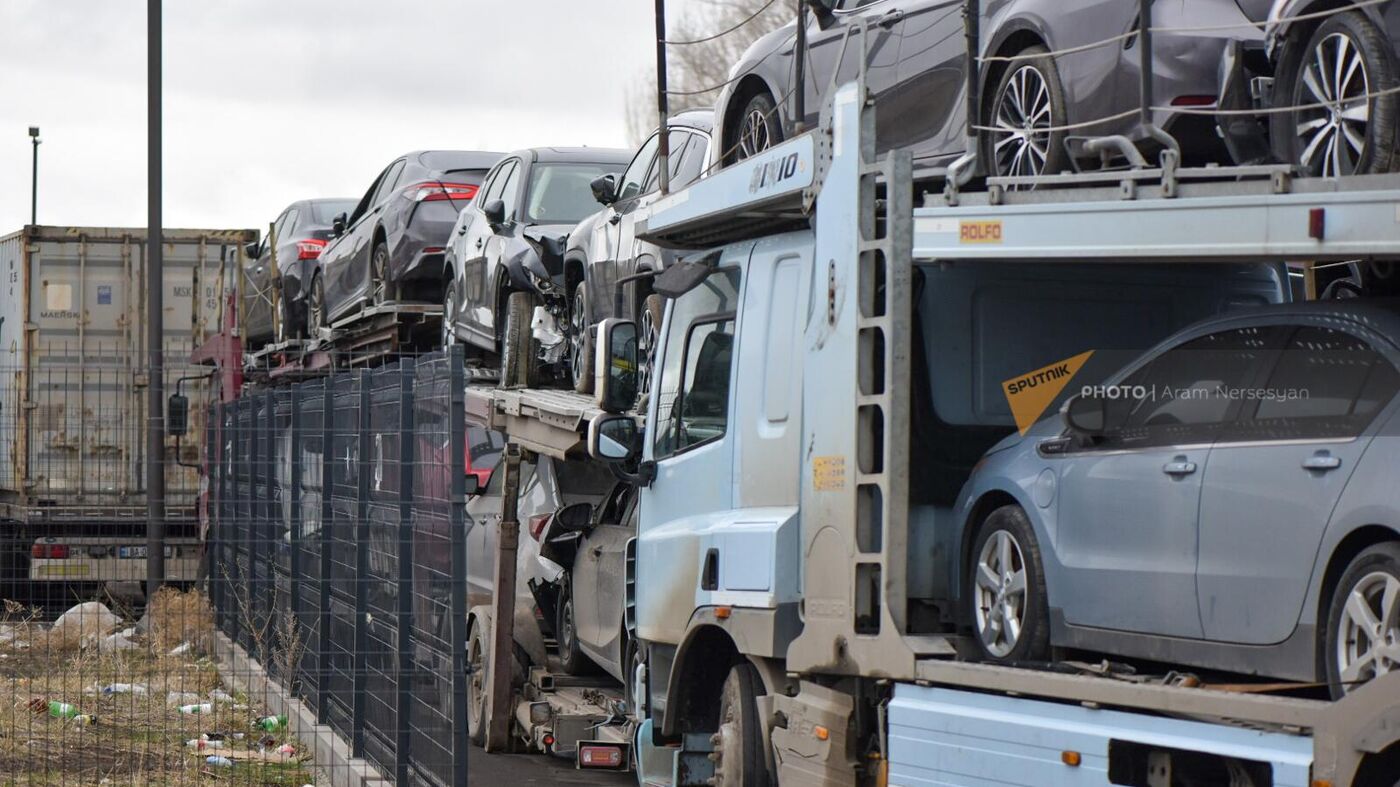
{"type": "Point", "coordinates": [338, 554]}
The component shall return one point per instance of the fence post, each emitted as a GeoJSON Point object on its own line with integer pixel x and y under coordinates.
{"type": "Point", "coordinates": [294, 571]}
{"type": "Point", "coordinates": [213, 545]}
{"type": "Point", "coordinates": [457, 529]}
{"type": "Point", "coordinates": [357, 713]}
{"type": "Point", "coordinates": [323, 589]}
{"type": "Point", "coordinates": [243, 516]}
{"type": "Point", "coordinates": [403, 683]}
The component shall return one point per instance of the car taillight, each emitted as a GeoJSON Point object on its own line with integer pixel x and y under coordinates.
{"type": "Point", "coordinates": [538, 523]}
{"type": "Point", "coordinates": [1193, 101]}
{"type": "Point", "coordinates": [49, 552]}
{"type": "Point", "coordinates": [433, 191]}
{"type": "Point", "coordinates": [309, 249]}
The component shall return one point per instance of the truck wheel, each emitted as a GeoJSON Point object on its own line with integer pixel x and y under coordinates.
{"type": "Point", "coordinates": [1006, 589]}
{"type": "Point", "coordinates": [649, 332]}
{"type": "Point", "coordinates": [519, 349]}
{"type": "Point", "coordinates": [477, 685]}
{"type": "Point", "coordinates": [1363, 619]}
{"type": "Point", "coordinates": [566, 634]}
{"type": "Point", "coordinates": [739, 756]}
{"type": "Point", "coordinates": [580, 341]}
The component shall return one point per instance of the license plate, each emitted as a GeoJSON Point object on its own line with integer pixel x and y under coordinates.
{"type": "Point", "coordinates": [60, 570]}
{"type": "Point", "coordinates": [132, 552]}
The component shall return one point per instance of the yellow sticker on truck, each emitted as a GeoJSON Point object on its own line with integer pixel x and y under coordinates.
{"type": "Point", "coordinates": [828, 473]}
{"type": "Point", "coordinates": [971, 231]}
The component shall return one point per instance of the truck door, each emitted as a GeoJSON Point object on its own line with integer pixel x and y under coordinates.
{"type": "Point", "coordinates": [689, 439]}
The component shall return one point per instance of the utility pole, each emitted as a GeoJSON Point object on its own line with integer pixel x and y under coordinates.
{"type": "Point", "coordinates": [663, 141]}
{"type": "Point", "coordinates": [34, 180]}
{"type": "Point", "coordinates": [155, 313]}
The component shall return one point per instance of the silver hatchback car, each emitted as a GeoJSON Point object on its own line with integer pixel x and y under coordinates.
{"type": "Point", "coordinates": [1228, 501]}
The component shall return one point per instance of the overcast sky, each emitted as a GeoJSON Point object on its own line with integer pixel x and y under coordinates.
{"type": "Point", "coordinates": [269, 101]}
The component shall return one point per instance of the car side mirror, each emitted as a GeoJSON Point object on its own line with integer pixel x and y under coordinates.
{"type": "Point", "coordinates": [472, 485]}
{"type": "Point", "coordinates": [613, 438]}
{"type": "Point", "coordinates": [338, 224]}
{"type": "Point", "coordinates": [604, 188]}
{"type": "Point", "coordinates": [253, 250]}
{"type": "Point", "coordinates": [1085, 415]}
{"type": "Point", "coordinates": [495, 211]}
{"type": "Point", "coordinates": [574, 517]}
{"type": "Point", "coordinates": [824, 11]}
{"type": "Point", "coordinates": [177, 415]}
{"type": "Point", "coordinates": [617, 373]}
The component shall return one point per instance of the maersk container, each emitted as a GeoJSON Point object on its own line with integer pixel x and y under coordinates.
{"type": "Point", "coordinates": [74, 374]}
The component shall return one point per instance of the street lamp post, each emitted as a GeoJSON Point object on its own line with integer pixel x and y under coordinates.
{"type": "Point", "coordinates": [34, 182]}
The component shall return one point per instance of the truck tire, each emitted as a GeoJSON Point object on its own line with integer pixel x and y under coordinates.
{"type": "Point", "coordinates": [478, 645]}
{"type": "Point", "coordinates": [519, 350]}
{"type": "Point", "coordinates": [581, 341]}
{"type": "Point", "coordinates": [739, 748]}
{"type": "Point", "coordinates": [1352, 637]}
{"type": "Point", "coordinates": [1006, 584]}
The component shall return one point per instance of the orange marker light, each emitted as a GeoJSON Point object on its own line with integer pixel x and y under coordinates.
{"type": "Point", "coordinates": [1070, 758]}
{"type": "Point", "coordinates": [723, 612]}
{"type": "Point", "coordinates": [1321, 783]}
{"type": "Point", "coordinates": [821, 732]}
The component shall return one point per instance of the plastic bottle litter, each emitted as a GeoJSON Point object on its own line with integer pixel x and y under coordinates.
{"type": "Point", "coordinates": [287, 749]}
{"type": "Point", "coordinates": [199, 744]}
{"type": "Point", "coordinates": [203, 707]}
{"type": "Point", "coordinates": [218, 761]}
{"type": "Point", "coordinates": [271, 723]}
{"type": "Point", "coordinates": [123, 688]}
{"type": "Point", "coordinates": [181, 649]}
{"type": "Point", "coordinates": [85, 720]}
{"type": "Point", "coordinates": [56, 709]}
{"type": "Point", "coordinates": [176, 698]}
{"type": "Point", "coordinates": [219, 695]}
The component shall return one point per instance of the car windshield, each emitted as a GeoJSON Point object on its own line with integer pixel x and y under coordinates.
{"type": "Point", "coordinates": [323, 212]}
{"type": "Point", "coordinates": [560, 194]}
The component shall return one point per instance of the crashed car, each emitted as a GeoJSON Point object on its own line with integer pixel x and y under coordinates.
{"type": "Point", "coordinates": [503, 272]}
{"type": "Point", "coordinates": [605, 253]}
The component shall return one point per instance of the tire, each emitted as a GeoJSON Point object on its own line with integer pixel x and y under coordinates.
{"type": "Point", "coordinates": [571, 659]}
{"type": "Point", "coordinates": [1348, 649]}
{"type": "Point", "coordinates": [581, 341]}
{"type": "Point", "coordinates": [757, 127]}
{"type": "Point", "coordinates": [316, 305]}
{"type": "Point", "coordinates": [1029, 96]}
{"type": "Point", "coordinates": [478, 645]}
{"type": "Point", "coordinates": [649, 332]}
{"type": "Point", "coordinates": [633, 657]}
{"type": "Point", "coordinates": [519, 350]}
{"type": "Point", "coordinates": [381, 289]}
{"type": "Point", "coordinates": [1305, 137]}
{"type": "Point", "coordinates": [449, 316]}
{"type": "Point", "coordinates": [995, 595]}
{"type": "Point", "coordinates": [739, 749]}
{"type": "Point", "coordinates": [293, 322]}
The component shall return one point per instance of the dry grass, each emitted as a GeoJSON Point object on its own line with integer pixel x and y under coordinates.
{"type": "Point", "coordinates": [138, 739]}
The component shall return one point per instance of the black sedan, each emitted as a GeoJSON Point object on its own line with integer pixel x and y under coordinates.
{"type": "Point", "coordinates": [390, 248]}
{"type": "Point", "coordinates": [294, 249]}
{"type": "Point", "coordinates": [506, 254]}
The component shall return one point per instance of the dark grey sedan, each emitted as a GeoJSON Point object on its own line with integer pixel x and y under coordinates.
{"type": "Point", "coordinates": [300, 233]}
{"type": "Point", "coordinates": [390, 247]}
{"type": "Point", "coordinates": [916, 56]}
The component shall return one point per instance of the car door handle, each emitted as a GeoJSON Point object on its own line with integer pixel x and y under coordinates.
{"type": "Point", "coordinates": [891, 18]}
{"type": "Point", "coordinates": [1179, 466]}
{"type": "Point", "coordinates": [1322, 461]}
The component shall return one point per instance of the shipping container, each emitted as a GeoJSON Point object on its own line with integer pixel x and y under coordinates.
{"type": "Point", "coordinates": [74, 373]}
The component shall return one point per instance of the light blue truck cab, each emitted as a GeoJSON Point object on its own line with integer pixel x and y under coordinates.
{"type": "Point", "coordinates": [820, 397]}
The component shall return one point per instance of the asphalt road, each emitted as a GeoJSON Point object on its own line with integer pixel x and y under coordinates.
{"type": "Point", "coordinates": [525, 769]}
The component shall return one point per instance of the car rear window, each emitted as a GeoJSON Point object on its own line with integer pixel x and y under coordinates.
{"type": "Point", "coordinates": [446, 160]}
{"type": "Point", "coordinates": [560, 192]}
{"type": "Point", "coordinates": [469, 177]}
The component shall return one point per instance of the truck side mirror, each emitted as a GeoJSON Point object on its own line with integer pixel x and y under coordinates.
{"type": "Point", "coordinates": [177, 415]}
{"type": "Point", "coordinates": [613, 438]}
{"type": "Point", "coordinates": [604, 188]}
{"type": "Point", "coordinates": [617, 373]}
{"type": "Point", "coordinates": [1085, 415]}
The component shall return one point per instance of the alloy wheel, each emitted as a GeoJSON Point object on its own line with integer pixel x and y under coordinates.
{"type": "Point", "coordinates": [1368, 644]}
{"type": "Point", "coordinates": [316, 306]}
{"type": "Point", "coordinates": [449, 318]}
{"type": "Point", "coordinates": [578, 327]}
{"type": "Point", "coordinates": [476, 686]}
{"type": "Point", "coordinates": [566, 625]}
{"type": "Point", "coordinates": [1023, 124]}
{"type": "Point", "coordinates": [647, 349]}
{"type": "Point", "coordinates": [379, 284]}
{"type": "Point", "coordinates": [1001, 593]}
{"type": "Point", "coordinates": [753, 134]}
{"type": "Point", "coordinates": [1332, 136]}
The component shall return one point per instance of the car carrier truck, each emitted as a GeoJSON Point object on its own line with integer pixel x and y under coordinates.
{"type": "Point", "coordinates": [793, 492]}
{"type": "Point", "coordinates": [72, 403]}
